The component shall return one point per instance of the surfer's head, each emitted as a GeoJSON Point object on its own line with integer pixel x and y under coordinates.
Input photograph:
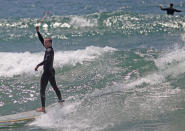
{"type": "Point", "coordinates": [48, 42]}
{"type": "Point", "coordinates": [171, 4]}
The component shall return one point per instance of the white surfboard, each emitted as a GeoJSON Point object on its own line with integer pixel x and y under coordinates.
{"type": "Point", "coordinates": [24, 116]}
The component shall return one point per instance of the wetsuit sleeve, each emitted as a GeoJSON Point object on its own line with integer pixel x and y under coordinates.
{"type": "Point", "coordinates": [41, 38]}
{"type": "Point", "coordinates": [163, 8]}
{"type": "Point", "coordinates": [178, 10]}
{"type": "Point", "coordinates": [42, 63]}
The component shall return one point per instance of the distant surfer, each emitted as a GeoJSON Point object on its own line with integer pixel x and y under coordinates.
{"type": "Point", "coordinates": [170, 10]}
{"type": "Point", "coordinates": [49, 72]}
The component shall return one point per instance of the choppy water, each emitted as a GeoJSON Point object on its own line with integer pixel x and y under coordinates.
{"type": "Point", "coordinates": [119, 65]}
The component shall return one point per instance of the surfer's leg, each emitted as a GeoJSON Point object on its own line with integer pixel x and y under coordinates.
{"type": "Point", "coordinates": [43, 84]}
{"type": "Point", "coordinates": [54, 85]}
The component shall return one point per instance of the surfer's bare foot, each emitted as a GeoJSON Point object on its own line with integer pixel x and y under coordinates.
{"type": "Point", "coordinates": [42, 109]}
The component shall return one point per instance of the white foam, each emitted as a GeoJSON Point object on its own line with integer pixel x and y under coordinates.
{"type": "Point", "coordinates": [71, 117]}
{"type": "Point", "coordinates": [18, 63]}
{"type": "Point", "coordinates": [56, 24]}
{"type": "Point", "coordinates": [57, 115]}
{"type": "Point", "coordinates": [64, 25]}
{"type": "Point", "coordinates": [152, 79]}
{"type": "Point", "coordinates": [79, 21]}
{"type": "Point", "coordinates": [1, 104]}
{"type": "Point", "coordinates": [170, 25]}
{"type": "Point", "coordinates": [172, 62]}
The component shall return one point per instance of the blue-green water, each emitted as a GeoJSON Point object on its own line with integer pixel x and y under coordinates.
{"type": "Point", "coordinates": [120, 65]}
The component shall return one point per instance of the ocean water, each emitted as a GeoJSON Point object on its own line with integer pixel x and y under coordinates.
{"type": "Point", "coordinates": [120, 64]}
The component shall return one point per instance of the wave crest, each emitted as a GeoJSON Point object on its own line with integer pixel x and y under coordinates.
{"type": "Point", "coordinates": [19, 63]}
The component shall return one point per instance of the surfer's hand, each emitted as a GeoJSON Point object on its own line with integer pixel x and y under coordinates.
{"type": "Point", "coordinates": [36, 68]}
{"type": "Point", "coordinates": [37, 28]}
{"type": "Point", "coordinates": [160, 6]}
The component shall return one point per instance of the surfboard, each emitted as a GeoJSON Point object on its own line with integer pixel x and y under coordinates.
{"type": "Point", "coordinates": [28, 115]}
{"type": "Point", "coordinates": [23, 116]}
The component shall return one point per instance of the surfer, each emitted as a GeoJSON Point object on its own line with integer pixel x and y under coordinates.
{"type": "Point", "coordinates": [170, 10]}
{"type": "Point", "coordinates": [49, 72]}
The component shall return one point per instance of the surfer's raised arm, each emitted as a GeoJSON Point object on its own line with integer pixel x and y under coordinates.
{"type": "Point", "coordinates": [39, 35]}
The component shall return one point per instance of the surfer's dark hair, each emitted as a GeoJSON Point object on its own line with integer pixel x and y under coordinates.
{"type": "Point", "coordinates": [171, 4]}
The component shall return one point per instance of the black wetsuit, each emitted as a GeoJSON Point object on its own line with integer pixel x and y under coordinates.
{"type": "Point", "coordinates": [170, 11]}
{"type": "Point", "coordinates": [48, 74]}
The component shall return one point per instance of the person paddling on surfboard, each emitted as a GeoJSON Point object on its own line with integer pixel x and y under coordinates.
{"type": "Point", "coordinates": [170, 10]}
{"type": "Point", "coordinates": [49, 72]}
